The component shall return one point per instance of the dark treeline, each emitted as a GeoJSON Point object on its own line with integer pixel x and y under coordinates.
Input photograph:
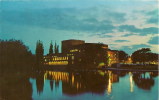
{"type": "Point", "coordinates": [144, 55]}
{"type": "Point", "coordinates": [16, 64]}
{"type": "Point", "coordinates": [123, 56]}
{"type": "Point", "coordinates": [15, 56]}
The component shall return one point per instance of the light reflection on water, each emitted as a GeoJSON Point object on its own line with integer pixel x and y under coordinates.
{"type": "Point", "coordinates": [95, 85]}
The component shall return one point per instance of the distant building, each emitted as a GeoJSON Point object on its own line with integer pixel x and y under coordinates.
{"type": "Point", "coordinates": [77, 52]}
{"type": "Point", "coordinates": [89, 53]}
{"type": "Point", "coordinates": [112, 57]}
{"type": "Point", "coordinates": [56, 59]}
{"type": "Point", "coordinates": [67, 44]}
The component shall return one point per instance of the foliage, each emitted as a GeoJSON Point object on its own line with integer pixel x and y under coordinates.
{"type": "Point", "coordinates": [122, 56]}
{"type": "Point", "coordinates": [56, 48]}
{"type": "Point", "coordinates": [39, 53]}
{"type": "Point", "coordinates": [144, 55]}
{"type": "Point", "coordinates": [15, 55]}
{"type": "Point", "coordinates": [51, 48]}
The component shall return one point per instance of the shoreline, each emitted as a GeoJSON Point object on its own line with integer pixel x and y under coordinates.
{"type": "Point", "coordinates": [126, 69]}
{"type": "Point", "coordinates": [64, 68]}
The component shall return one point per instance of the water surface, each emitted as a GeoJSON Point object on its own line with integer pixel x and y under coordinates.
{"type": "Point", "coordinates": [95, 85]}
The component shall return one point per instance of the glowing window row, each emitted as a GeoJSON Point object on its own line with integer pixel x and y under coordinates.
{"type": "Point", "coordinates": [60, 58]}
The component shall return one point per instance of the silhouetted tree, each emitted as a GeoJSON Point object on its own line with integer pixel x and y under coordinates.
{"type": "Point", "coordinates": [15, 55]}
{"type": "Point", "coordinates": [39, 53]}
{"type": "Point", "coordinates": [153, 56]}
{"type": "Point", "coordinates": [16, 63]}
{"type": "Point", "coordinates": [144, 55]}
{"type": "Point", "coordinates": [56, 48]}
{"type": "Point", "coordinates": [122, 56]}
{"type": "Point", "coordinates": [51, 48]}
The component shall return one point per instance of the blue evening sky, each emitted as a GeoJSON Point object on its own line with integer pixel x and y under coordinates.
{"type": "Point", "coordinates": [122, 24]}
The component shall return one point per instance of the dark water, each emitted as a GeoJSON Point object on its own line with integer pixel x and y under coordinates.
{"type": "Point", "coordinates": [95, 85]}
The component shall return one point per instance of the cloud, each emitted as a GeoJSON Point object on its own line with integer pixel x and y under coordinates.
{"type": "Point", "coordinates": [153, 17]}
{"type": "Point", "coordinates": [140, 46]}
{"type": "Point", "coordinates": [121, 41]}
{"type": "Point", "coordinates": [58, 18]}
{"type": "Point", "coordinates": [142, 32]}
{"type": "Point", "coordinates": [109, 22]}
{"type": "Point", "coordinates": [126, 35]}
{"type": "Point", "coordinates": [105, 36]}
{"type": "Point", "coordinates": [91, 20]}
{"type": "Point", "coordinates": [149, 30]}
{"type": "Point", "coordinates": [152, 20]}
{"type": "Point", "coordinates": [128, 49]}
{"type": "Point", "coordinates": [130, 28]}
{"type": "Point", "coordinates": [154, 40]}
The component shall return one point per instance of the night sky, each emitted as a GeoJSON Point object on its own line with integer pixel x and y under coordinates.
{"type": "Point", "coordinates": [122, 24]}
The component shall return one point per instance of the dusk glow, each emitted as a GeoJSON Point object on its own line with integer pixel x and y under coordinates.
{"type": "Point", "coordinates": [122, 24]}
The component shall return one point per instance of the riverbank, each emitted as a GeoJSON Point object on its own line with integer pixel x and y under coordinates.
{"type": "Point", "coordinates": [121, 68]}
{"type": "Point", "coordinates": [128, 69]}
{"type": "Point", "coordinates": [133, 67]}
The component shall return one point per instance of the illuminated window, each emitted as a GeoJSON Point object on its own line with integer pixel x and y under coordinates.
{"type": "Point", "coordinates": [72, 57]}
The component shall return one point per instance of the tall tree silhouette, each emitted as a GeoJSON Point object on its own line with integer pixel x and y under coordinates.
{"type": "Point", "coordinates": [39, 53]}
{"type": "Point", "coordinates": [51, 49]}
{"type": "Point", "coordinates": [56, 48]}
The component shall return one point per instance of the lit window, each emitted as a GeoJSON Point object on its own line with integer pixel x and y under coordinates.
{"type": "Point", "coordinates": [72, 57]}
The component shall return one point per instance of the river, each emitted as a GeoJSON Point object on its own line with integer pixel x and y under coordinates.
{"type": "Point", "coordinates": [95, 85]}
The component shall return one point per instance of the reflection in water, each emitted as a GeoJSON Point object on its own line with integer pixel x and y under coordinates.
{"type": "Point", "coordinates": [15, 86]}
{"type": "Point", "coordinates": [51, 85]}
{"type": "Point", "coordinates": [40, 83]}
{"type": "Point", "coordinates": [112, 78]}
{"type": "Point", "coordinates": [94, 82]}
{"type": "Point", "coordinates": [143, 80]}
{"type": "Point", "coordinates": [109, 89]}
{"type": "Point", "coordinates": [78, 82]}
{"type": "Point", "coordinates": [131, 82]}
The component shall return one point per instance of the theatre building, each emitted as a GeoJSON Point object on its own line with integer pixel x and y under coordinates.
{"type": "Point", "coordinates": [77, 52]}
